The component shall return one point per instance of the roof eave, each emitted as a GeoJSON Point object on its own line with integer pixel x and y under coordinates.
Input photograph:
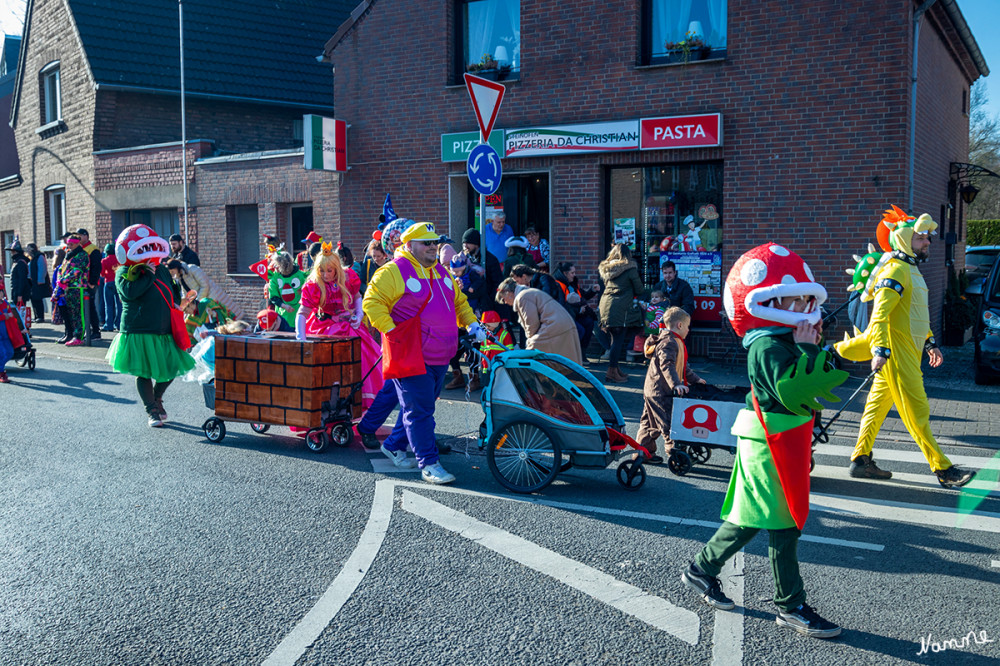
{"type": "Point", "coordinates": [965, 33]}
{"type": "Point", "coordinates": [345, 27]}
{"type": "Point", "coordinates": [116, 87]}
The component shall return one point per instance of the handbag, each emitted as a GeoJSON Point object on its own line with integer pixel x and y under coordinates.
{"type": "Point", "coordinates": [178, 329]}
{"type": "Point", "coordinates": [402, 351]}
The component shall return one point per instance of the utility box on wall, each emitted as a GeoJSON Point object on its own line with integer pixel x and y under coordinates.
{"type": "Point", "coordinates": [282, 381]}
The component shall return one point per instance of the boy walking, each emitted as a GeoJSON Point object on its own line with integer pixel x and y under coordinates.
{"type": "Point", "coordinates": [668, 375]}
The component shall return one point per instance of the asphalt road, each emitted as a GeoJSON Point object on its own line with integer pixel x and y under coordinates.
{"type": "Point", "coordinates": [127, 545]}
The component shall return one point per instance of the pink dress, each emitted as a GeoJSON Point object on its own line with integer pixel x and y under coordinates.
{"type": "Point", "coordinates": [333, 319]}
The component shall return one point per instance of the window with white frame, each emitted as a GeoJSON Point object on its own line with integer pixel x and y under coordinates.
{"type": "Point", "coordinates": [695, 29]}
{"type": "Point", "coordinates": [489, 38]}
{"type": "Point", "coordinates": [55, 202]}
{"type": "Point", "coordinates": [51, 97]}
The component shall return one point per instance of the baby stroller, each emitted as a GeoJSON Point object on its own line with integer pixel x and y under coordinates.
{"type": "Point", "coordinates": [19, 331]}
{"type": "Point", "coordinates": [541, 407]}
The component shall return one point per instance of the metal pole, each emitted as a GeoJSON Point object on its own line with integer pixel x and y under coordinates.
{"type": "Point", "coordinates": [184, 180]}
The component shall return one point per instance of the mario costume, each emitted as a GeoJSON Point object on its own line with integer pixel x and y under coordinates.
{"type": "Point", "coordinates": [898, 331]}
{"type": "Point", "coordinates": [769, 486]}
{"type": "Point", "coordinates": [402, 291]}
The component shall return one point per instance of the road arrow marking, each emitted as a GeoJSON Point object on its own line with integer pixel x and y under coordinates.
{"type": "Point", "coordinates": [653, 610]}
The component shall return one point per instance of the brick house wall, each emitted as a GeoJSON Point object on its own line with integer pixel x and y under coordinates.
{"type": "Point", "coordinates": [61, 156]}
{"type": "Point", "coordinates": [815, 128]}
{"type": "Point", "coordinates": [273, 184]}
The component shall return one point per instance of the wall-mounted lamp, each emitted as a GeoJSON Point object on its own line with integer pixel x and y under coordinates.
{"type": "Point", "coordinates": [968, 192]}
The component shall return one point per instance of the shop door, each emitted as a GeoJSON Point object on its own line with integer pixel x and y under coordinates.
{"type": "Point", "coordinates": [524, 198]}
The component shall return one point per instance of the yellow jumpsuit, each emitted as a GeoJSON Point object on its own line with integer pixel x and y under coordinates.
{"type": "Point", "coordinates": [900, 324]}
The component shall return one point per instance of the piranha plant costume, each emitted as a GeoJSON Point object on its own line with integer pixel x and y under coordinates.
{"type": "Point", "coordinates": [899, 332]}
{"type": "Point", "coordinates": [772, 301]}
{"type": "Point", "coordinates": [145, 346]}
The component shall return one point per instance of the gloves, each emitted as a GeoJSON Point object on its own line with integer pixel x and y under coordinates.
{"type": "Point", "coordinates": [358, 314]}
{"type": "Point", "coordinates": [300, 327]}
{"type": "Point", "coordinates": [476, 329]}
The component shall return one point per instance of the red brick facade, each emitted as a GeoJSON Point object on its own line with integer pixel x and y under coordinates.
{"type": "Point", "coordinates": [814, 98]}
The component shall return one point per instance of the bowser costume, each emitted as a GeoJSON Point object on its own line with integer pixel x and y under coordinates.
{"type": "Point", "coordinates": [402, 291]}
{"type": "Point", "coordinates": [898, 331]}
{"type": "Point", "coordinates": [769, 486]}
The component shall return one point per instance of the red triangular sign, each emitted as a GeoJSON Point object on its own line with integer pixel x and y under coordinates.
{"type": "Point", "coordinates": [486, 97]}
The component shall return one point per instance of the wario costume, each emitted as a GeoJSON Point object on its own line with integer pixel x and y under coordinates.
{"type": "Point", "coordinates": [899, 331]}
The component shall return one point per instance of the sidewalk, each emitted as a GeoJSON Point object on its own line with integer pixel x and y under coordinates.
{"type": "Point", "coordinates": [962, 413]}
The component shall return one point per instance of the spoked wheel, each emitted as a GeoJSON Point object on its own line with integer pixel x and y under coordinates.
{"type": "Point", "coordinates": [523, 457]}
{"type": "Point", "coordinates": [342, 435]}
{"type": "Point", "coordinates": [631, 475]}
{"type": "Point", "coordinates": [215, 429]}
{"type": "Point", "coordinates": [260, 427]}
{"type": "Point", "coordinates": [317, 440]}
{"type": "Point", "coordinates": [699, 454]}
{"type": "Point", "coordinates": [679, 462]}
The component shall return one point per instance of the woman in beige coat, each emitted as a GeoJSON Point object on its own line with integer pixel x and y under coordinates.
{"type": "Point", "coordinates": [548, 326]}
{"type": "Point", "coordinates": [193, 277]}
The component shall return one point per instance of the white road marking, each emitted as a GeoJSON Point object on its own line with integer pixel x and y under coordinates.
{"type": "Point", "coordinates": [919, 514]}
{"type": "Point", "coordinates": [910, 456]}
{"type": "Point", "coordinates": [653, 610]}
{"type": "Point", "coordinates": [727, 639]}
{"type": "Point", "coordinates": [382, 465]}
{"type": "Point", "coordinates": [343, 586]}
{"type": "Point", "coordinates": [995, 564]}
{"type": "Point", "coordinates": [925, 481]}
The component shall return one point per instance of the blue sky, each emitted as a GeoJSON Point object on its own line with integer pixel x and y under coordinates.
{"type": "Point", "coordinates": [983, 17]}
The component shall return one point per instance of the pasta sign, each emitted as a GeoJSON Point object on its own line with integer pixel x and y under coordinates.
{"type": "Point", "coordinates": [701, 131]}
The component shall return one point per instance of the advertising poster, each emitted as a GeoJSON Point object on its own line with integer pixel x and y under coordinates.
{"type": "Point", "coordinates": [624, 231]}
{"type": "Point", "coordinates": [703, 271]}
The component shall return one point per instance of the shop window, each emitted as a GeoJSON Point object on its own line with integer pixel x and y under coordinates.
{"type": "Point", "coordinates": [488, 33]}
{"type": "Point", "coordinates": [51, 96]}
{"type": "Point", "coordinates": [55, 204]}
{"type": "Point", "coordinates": [683, 30]}
{"type": "Point", "coordinates": [244, 227]}
{"type": "Point", "coordinates": [673, 213]}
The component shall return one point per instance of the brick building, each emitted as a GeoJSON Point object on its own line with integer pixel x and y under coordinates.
{"type": "Point", "coordinates": [96, 115]}
{"type": "Point", "coordinates": [813, 99]}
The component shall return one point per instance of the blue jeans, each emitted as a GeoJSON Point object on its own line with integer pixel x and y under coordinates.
{"type": "Point", "coordinates": [415, 424]}
{"type": "Point", "coordinates": [112, 307]}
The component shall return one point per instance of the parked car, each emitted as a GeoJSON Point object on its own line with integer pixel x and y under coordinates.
{"type": "Point", "coordinates": [986, 330]}
{"type": "Point", "coordinates": [978, 260]}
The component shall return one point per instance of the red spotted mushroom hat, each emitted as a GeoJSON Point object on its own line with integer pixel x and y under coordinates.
{"type": "Point", "coordinates": [759, 279]}
{"type": "Point", "coordinates": [139, 244]}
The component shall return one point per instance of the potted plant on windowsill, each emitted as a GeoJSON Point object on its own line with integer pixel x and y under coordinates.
{"type": "Point", "coordinates": [692, 47]}
{"type": "Point", "coordinates": [489, 68]}
{"type": "Point", "coordinates": [959, 312]}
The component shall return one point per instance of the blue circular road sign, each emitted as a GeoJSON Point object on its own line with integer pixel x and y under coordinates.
{"type": "Point", "coordinates": [484, 169]}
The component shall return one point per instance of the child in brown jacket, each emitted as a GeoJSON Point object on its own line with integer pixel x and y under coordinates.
{"type": "Point", "coordinates": [668, 375]}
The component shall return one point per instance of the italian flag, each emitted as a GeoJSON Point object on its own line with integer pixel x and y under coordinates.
{"type": "Point", "coordinates": [325, 141]}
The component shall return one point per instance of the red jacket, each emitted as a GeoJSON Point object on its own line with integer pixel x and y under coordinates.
{"type": "Point", "coordinates": [109, 265]}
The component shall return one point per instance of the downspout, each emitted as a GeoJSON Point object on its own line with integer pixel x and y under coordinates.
{"type": "Point", "coordinates": [917, 15]}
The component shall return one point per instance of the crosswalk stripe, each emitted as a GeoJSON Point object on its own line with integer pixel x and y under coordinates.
{"type": "Point", "coordinates": [926, 481]}
{"type": "Point", "coordinates": [910, 456]}
{"type": "Point", "coordinates": [903, 512]}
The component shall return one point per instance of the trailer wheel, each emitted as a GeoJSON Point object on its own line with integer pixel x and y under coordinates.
{"type": "Point", "coordinates": [523, 457]}
{"type": "Point", "coordinates": [317, 440]}
{"type": "Point", "coordinates": [260, 427]}
{"type": "Point", "coordinates": [679, 462]}
{"type": "Point", "coordinates": [215, 429]}
{"type": "Point", "coordinates": [342, 435]}
{"type": "Point", "coordinates": [631, 475]}
{"type": "Point", "coordinates": [699, 454]}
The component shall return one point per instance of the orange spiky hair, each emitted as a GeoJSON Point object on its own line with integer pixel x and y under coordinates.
{"type": "Point", "coordinates": [891, 219]}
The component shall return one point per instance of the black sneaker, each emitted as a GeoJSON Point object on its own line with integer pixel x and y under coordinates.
{"type": "Point", "coordinates": [655, 460]}
{"type": "Point", "coordinates": [954, 477]}
{"type": "Point", "coordinates": [708, 587]}
{"type": "Point", "coordinates": [863, 467]}
{"type": "Point", "coordinates": [807, 622]}
{"type": "Point", "coordinates": [369, 440]}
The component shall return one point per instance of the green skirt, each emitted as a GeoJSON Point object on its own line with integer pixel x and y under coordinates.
{"type": "Point", "coordinates": [148, 355]}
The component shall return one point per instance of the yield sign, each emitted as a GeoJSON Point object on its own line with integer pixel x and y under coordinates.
{"type": "Point", "coordinates": [486, 97]}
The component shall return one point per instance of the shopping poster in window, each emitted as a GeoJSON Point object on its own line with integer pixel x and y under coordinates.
{"type": "Point", "coordinates": [703, 271]}
{"type": "Point", "coordinates": [624, 231]}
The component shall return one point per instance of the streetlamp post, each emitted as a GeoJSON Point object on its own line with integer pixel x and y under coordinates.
{"type": "Point", "coordinates": [180, 18]}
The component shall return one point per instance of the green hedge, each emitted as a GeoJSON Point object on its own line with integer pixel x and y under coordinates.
{"type": "Point", "coordinates": [983, 232]}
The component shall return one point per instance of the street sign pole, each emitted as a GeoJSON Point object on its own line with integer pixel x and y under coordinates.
{"type": "Point", "coordinates": [486, 97]}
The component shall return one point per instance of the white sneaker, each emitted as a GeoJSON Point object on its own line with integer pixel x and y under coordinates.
{"type": "Point", "coordinates": [606, 356]}
{"type": "Point", "coordinates": [398, 458]}
{"type": "Point", "coordinates": [436, 474]}
{"type": "Point", "coordinates": [154, 422]}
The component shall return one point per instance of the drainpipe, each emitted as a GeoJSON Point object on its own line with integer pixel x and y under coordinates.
{"type": "Point", "coordinates": [917, 15]}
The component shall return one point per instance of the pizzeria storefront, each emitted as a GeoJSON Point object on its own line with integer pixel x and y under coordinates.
{"type": "Point", "coordinates": [670, 211]}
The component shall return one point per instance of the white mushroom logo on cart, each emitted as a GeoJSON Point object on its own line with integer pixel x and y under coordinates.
{"type": "Point", "coordinates": [701, 420]}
